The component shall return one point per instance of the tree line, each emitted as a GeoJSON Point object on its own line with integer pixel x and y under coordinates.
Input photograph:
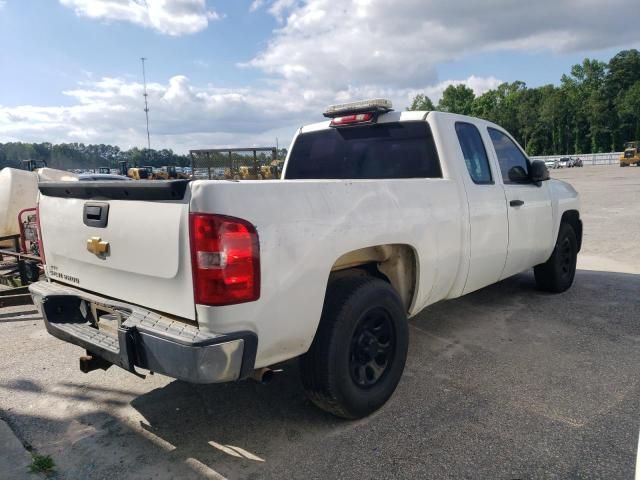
{"type": "Point", "coordinates": [594, 109]}
{"type": "Point", "coordinates": [71, 156]}
{"type": "Point", "coordinates": [78, 156]}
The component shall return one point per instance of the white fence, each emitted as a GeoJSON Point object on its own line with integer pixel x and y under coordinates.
{"type": "Point", "coordinates": [587, 159]}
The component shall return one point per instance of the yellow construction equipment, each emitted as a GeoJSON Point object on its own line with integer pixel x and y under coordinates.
{"type": "Point", "coordinates": [138, 173]}
{"type": "Point", "coordinates": [631, 154]}
{"type": "Point", "coordinates": [232, 164]}
{"type": "Point", "coordinates": [247, 173]}
{"type": "Point", "coordinates": [168, 173]}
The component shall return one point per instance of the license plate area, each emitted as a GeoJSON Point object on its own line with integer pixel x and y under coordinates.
{"type": "Point", "coordinates": [108, 320]}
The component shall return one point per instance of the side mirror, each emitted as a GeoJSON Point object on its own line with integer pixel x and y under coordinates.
{"type": "Point", "coordinates": [539, 171]}
{"type": "Point", "coordinates": [518, 174]}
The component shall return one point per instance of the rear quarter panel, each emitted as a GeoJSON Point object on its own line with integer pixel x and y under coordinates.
{"type": "Point", "coordinates": [305, 226]}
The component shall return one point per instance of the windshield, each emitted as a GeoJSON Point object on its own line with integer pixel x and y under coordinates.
{"type": "Point", "coordinates": [388, 150]}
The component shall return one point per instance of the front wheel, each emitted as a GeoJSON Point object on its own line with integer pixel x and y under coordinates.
{"type": "Point", "coordinates": [358, 354]}
{"type": "Point", "coordinates": [556, 274]}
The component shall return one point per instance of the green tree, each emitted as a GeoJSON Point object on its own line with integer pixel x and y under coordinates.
{"type": "Point", "coordinates": [629, 112]}
{"type": "Point", "coordinates": [421, 102]}
{"type": "Point", "coordinates": [457, 99]}
{"type": "Point", "coordinates": [623, 72]}
{"type": "Point", "coordinates": [585, 87]}
{"type": "Point", "coordinates": [555, 115]}
{"type": "Point", "coordinates": [593, 109]}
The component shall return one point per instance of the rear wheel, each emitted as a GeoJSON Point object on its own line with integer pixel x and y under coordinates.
{"type": "Point", "coordinates": [359, 351]}
{"type": "Point", "coordinates": [556, 274]}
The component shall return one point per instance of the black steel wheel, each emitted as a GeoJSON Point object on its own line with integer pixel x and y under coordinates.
{"type": "Point", "coordinates": [557, 274]}
{"type": "Point", "coordinates": [372, 348]}
{"type": "Point", "coordinates": [566, 258]}
{"type": "Point", "coordinates": [358, 354]}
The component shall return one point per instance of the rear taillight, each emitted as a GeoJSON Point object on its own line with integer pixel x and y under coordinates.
{"type": "Point", "coordinates": [225, 258]}
{"type": "Point", "coordinates": [352, 119]}
{"type": "Point", "coordinates": [40, 244]}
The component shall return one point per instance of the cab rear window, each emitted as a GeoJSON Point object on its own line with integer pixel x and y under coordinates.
{"type": "Point", "coordinates": [387, 150]}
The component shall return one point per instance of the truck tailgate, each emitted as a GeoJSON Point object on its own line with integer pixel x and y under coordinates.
{"type": "Point", "coordinates": [138, 253]}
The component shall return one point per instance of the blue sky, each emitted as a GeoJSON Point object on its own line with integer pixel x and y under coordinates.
{"type": "Point", "coordinates": [50, 49]}
{"type": "Point", "coordinates": [244, 71]}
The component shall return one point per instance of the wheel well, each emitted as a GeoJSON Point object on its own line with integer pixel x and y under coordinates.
{"type": "Point", "coordinates": [572, 217]}
{"type": "Point", "coordinates": [394, 263]}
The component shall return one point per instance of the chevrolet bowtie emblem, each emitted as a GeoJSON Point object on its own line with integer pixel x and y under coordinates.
{"type": "Point", "coordinates": [97, 246]}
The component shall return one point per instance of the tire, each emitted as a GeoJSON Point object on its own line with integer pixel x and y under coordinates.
{"type": "Point", "coordinates": [341, 374]}
{"type": "Point", "coordinates": [556, 274]}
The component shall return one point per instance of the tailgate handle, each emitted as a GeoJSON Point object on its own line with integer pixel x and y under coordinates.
{"type": "Point", "coordinates": [95, 214]}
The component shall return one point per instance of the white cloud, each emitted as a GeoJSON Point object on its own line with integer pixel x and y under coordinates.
{"type": "Point", "coordinates": [184, 116]}
{"type": "Point", "coordinates": [277, 8]}
{"type": "Point", "coordinates": [256, 5]}
{"type": "Point", "coordinates": [324, 52]}
{"type": "Point", "coordinates": [170, 17]}
{"type": "Point", "coordinates": [378, 42]}
{"type": "Point", "coordinates": [181, 116]}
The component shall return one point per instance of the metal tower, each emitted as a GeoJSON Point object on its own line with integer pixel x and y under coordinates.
{"type": "Point", "coordinates": [146, 105]}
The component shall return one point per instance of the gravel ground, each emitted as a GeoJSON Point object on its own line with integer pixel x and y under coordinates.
{"type": "Point", "coordinates": [504, 383]}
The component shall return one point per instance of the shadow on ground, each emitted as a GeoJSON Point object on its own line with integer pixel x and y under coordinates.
{"type": "Point", "coordinates": [506, 382]}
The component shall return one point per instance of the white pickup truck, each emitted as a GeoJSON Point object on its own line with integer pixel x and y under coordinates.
{"type": "Point", "coordinates": [378, 214]}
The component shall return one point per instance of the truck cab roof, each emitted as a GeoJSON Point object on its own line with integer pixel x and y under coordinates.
{"type": "Point", "coordinates": [406, 116]}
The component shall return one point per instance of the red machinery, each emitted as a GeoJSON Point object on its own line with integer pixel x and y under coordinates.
{"type": "Point", "coordinates": [24, 264]}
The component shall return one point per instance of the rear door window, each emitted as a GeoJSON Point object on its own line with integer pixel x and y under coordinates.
{"type": "Point", "coordinates": [474, 153]}
{"type": "Point", "coordinates": [386, 150]}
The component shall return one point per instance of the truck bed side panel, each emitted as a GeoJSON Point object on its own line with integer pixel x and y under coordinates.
{"type": "Point", "coordinates": [305, 226]}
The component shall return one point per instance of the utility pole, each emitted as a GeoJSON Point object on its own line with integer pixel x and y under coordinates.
{"type": "Point", "coordinates": [146, 106]}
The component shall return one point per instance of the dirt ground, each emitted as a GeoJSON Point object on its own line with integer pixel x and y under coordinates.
{"type": "Point", "coordinates": [505, 383]}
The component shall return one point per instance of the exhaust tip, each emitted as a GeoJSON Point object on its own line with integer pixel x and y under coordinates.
{"type": "Point", "coordinates": [262, 375]}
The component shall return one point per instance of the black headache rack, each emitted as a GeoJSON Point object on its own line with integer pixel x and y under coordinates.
{"type": "Point", "coordinates": [116, 190]}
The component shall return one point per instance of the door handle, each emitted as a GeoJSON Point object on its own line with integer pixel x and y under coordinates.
{"type": "Point", "coordinates": [95, 214]}
{"type": "Point", "coordinates": [516, 203]}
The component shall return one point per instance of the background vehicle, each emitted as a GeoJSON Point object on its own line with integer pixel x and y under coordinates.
{"type": "Point", "coordinates": [631, 154]}
{"type": "Point", "coordinates": [564, 162]}
{"type": "Point", "coordinates": [378, 215]}
{"type": "Point", "coordinates": [138, 173]}
{"type": "Point", "coordinates": [33, 165]}
{"type": "Point", "coordinates": [168, 173]}
{"type": "Point", "coordinates": [552, 163]}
